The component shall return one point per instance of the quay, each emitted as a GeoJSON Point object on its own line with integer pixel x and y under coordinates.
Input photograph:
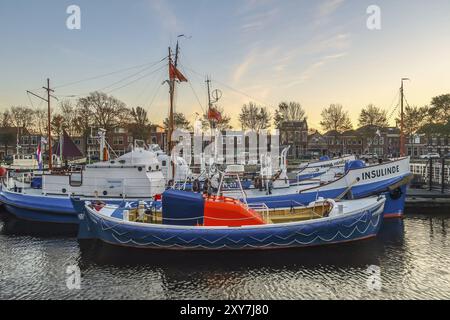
{"type": "Point", "coordinates": [425, 201]}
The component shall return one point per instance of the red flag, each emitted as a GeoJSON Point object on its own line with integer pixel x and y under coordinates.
{"type": "Point", "coordinates": [174, 73]}
{"type": "Point", "coordinates": [214, 114]}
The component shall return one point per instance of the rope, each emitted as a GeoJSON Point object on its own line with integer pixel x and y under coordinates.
{"type": "Point", "coordinates": [231, 88]}
{"type": "Point", "coordinates": [133, 81]}
{"type": "Point", "coordinates": [107, 74]}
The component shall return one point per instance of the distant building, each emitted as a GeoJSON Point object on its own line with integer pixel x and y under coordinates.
{"type": "Point", "coordinates": [421, 144]}
{"type": "Point", "coordinates": [385, 142]}
{"type": "Point", "coordinates": [14, 138]}
{"type": "Point", "coordinates": [317, 145]}
{"type": "Point", "coordinates": [295, 134]}
{"type": "Point", "coordinates": [158, 136]}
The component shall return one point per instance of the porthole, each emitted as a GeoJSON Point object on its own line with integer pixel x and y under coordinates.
{"type": "Point", "coordinates": [139, 169]}
{"type": "Point", "coordinates": [105, 193]}
{"type": "Point", "coordinates": [64, 190]}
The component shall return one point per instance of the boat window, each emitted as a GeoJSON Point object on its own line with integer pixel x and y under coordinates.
{"type": "Point", "coordinates": [76, 179]}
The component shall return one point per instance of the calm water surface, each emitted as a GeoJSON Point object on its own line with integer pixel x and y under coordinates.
{"type": "Point", "coordinates": [409, 259]}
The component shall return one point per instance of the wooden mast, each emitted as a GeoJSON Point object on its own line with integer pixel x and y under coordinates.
{"type": "Point", "coordinates": [402, 123]}
{"type": "Point", "coordinates": [172, 82]}
{"type": "Point", "coordinates": [49, 128]}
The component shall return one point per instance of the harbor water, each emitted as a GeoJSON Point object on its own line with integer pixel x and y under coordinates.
{"type": "Point", "coordinates": [410, 259]}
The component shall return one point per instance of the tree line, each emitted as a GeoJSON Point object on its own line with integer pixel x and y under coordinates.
{"type": "Point", "coordinates": [101, 110]}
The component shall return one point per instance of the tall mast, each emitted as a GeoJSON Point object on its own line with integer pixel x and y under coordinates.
{"type": "Point", "coordinates": [402, 123]}
{"type": "Point", "coordinates": [208, 85]}
{"type": "Point", "coordinates": [172, 82]}
{"type": "Point", "coordinates": [171, 91]}
{"type": "Point", "coordinates": [49, 129]}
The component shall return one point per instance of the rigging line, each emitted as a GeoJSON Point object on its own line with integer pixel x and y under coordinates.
{"type": "Point", "coordinates": [117, 82]}
{"type": "Point", "coordinates": [154, 98]}
{"type": "Point", "coordinates": [108, 74]}
{"type": "Point", "coordinates": [153, 94]}
{"type": "Point", "coordinates": [235, 90]}
{"type": "Point", "coordinates": [138, 98]}
{"type": "Point", "coordinates": [391, 105]}
{"type": "Point", "coordinates": [407, 104]}
{"type": "Point", "coordinates": [393, 111]}
{"type": "Point", "coordinates": [195, 94]}
{"type": "Point", "coordinates": [128, 77]}
{"type": "Point", "coordinates": [29, 98]}
{"type": "Point", "coordinates": [136, 80]}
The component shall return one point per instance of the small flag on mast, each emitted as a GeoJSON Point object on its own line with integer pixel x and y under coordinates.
{"type": "Point", "coordinates": [174, 73]}
{"type": "Point", "coordinates": [39, 156]}
{"type": "Point", "coordinates": [214, 114]}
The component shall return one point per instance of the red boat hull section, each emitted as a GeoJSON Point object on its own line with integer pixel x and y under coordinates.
{"type": "Point", "coordinates": [220, 212]}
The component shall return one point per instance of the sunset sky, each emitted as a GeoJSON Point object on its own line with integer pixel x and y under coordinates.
{"type": "Point", "coordinates": [267, 51]}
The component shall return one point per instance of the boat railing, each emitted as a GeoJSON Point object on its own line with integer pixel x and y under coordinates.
{"type": "Point", "coordinates": [17, 182]}
{"type": "Point", "coordinates": [261, 208]}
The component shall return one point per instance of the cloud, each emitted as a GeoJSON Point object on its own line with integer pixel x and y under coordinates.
{"type": "Point", "coordinates": [243, 67]}
{"type": "Point", "coordinates": [313, 68]}
{"type": "Point", "coordinates": [325, 10]}
{"type": "Point", "coordinates": [247, 6]}
{"type": "Point", "coordinates": [328, 7]}
{"type": "Point", "coordinates": [259, 20]}
{"type": "Point", "coordinates": [338, 41]}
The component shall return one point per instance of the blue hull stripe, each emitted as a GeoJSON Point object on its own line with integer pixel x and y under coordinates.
{"type": "Point", "coordinates": [322, 232]}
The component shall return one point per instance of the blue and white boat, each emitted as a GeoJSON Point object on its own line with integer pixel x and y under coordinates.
{"type": "Point", "coordinates": [135, 175]}
{"type": "Point", "coordinates": [325, 166]}
{"type": "Point", "coordinates": [190, 221]}
{"type": "Point", "coordinates": [359, 181]}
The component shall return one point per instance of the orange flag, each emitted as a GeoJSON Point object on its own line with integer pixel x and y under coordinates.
{"type": "Point", "coordinates": [214, 114]}
{"type": "Point", "coordinates": [174, 73]}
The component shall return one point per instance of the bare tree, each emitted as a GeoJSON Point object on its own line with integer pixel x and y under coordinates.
{"type": "Point", "coordinates": [334, 118]}
{"type": "Point", "coordinates": [253, 117]}
{"type": "Point", "coordinates": [139, 124]}
{"type": "Point", "coordinates": [440, 109]}
{"type": "Point", "coordinates": [83, 120]}
{"type": "Point", "coordinates": [180, 122]}
{"type": "Point", "coordinates": [6, 119]}
{"type": "Point", "coordinates": [107, 111]}
{"type": "Point", "coordinates": [414, 118]}
{"type": "Point", "coordinates": [40, 123]}
{"type": "Point", "coordinates": [291, 111]}
{"type": "Point", "coordinates": [69, 113]}
{"type": "Point", "coordinates": [21, 117]}
{"type": "Point", "coordinates": [373, 116]}
{"type": "Point", "coordinates": [59, 124]}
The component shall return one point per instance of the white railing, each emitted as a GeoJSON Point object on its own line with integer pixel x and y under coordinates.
{"type": "Point", "coordinates": [261, 208]}
{"type": "Point", "coordinates": [423, 170]}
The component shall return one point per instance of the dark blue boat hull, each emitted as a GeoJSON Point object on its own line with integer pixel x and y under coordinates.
{"type": "Point", "coordinates": [355, 227]}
